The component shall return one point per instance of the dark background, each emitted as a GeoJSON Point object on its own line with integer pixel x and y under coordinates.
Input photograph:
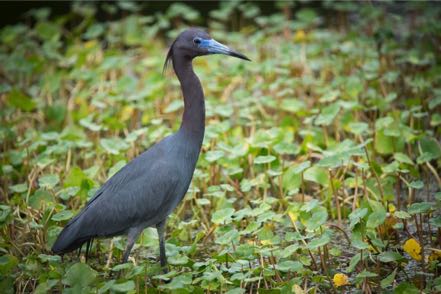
{"type": "Point", "coordinates": [12, 12]}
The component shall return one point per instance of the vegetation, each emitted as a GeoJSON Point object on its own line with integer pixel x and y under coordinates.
{"type": "Point", "coordinates": [319, 171]}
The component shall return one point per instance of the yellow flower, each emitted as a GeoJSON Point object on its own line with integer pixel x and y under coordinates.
{"type": "Point", "coordinates": [293, 216]}
{"type": "Point", "coordinates": [413, 248]}
{"type": "Point", "coordinates": [436, 255]}
{"type": "Point", "coordinates": [340, 280]}
{"type": "Point", "coordinates": [391, 208]}
{"type": "Point", "coordinates": [300, 36]}
{"type": "Point", "coordinates": [296, 289]}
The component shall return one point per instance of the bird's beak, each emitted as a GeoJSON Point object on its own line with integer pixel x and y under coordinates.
{"type": "Point", "coordinates": [214, 47]}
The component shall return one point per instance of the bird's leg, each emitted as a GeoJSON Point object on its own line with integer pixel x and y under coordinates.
{"type": "Point", "coordinates": [88, 247]}
{"type": "Point", "coordinates": [131, 238]}
{"type": "Point", "coordinates": [162, 256]}
{"type": "Point", "coordinates": [79, 251]}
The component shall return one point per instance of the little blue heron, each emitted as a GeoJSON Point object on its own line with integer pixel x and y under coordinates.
{"type": "Point", "coordinates": [145, 191]}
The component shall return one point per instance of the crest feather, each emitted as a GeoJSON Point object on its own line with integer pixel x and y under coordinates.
{"type": "Point", "coordinates": [169, 58]}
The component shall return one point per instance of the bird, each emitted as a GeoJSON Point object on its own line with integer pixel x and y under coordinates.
{"type": "Point", "coordinates": [147, 190]}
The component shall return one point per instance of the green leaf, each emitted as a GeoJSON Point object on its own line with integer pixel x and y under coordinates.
{"type": "Point", "coordinates": [365, 275]}
{"type": "Point", "coordinates": [390, 256]}
{"type": "Point", "coordinates": [401, 214]}
{"type": "Point", "coordinates": [421, 207]}
{"type": "Point", "coordinates": [327, 115]}
{"type": "Point", "coordinates": [214, 155]}
{"type": "Point", "coordinates": [358, 128]}
{"type": "Point", "coordinates": [376, 218]}
{"type": "Point", "coordinates": [7, 263]}
{"type": "Point", "coordinates": [94, 31]}
{"type": "Point", "coordinates": [431, 148]}
{"type": "Point", "coordinates": [179, 282]}
{"type": "Point", "coordinates": [353, 263]}
{"type": "Point", "coordinates": [435, 221]}
{"type": "Point", "coordinates": [310, 205]}
{"type": "Point", "coordinates": [298, 169]}
{"type": "Point", "coordinates": [21, 101]}
{"type": "Point", "coordinates": [62, 215]}
{"type": "Point", "coordinates": [356, 216]}
{"type": "Point", "coordinates": [236, 291]}
{"type": "Point", "coordinates": [292, 105]}
{"type": "Point", "coordinates": [417, 184]}
{"type": "Point", "coordinates": [317, 175]}
{"type": "Point", "coordinates": [123, 287]}
{"type": "Point", "coordinates": [406, 288]}
{"type": "Point", "coordinates": [357, 240]}
{"type": "Point", "coordinates": [317, 219]}
{"type": "Point", "coordinates": [319, 242]}
{"type": "Point", "coordinates": [222, 215]}
{"type": "Point", "coordinates": [289, 266]}
{"type": "Point", "coordinates": [387, 281]}
{"type": "Point", "coordinates": [19, 188]}
{"type": "Point", "coordinates": [403, 158]}
{"type": "Point", "coordinates": [79, 276]}
{"type": "Point", "coordinates": [5, 211]}
{"type": "Point", "coordinates": [114, 145]}
{"type": "Point", "coordinates": [264, 159]}
{"type": "Point", "coordinates": [48, 181]}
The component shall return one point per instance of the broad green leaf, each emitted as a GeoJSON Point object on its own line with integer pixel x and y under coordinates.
{"type": "Point", "coordinates": [317, 219]}
{"type": "Point", "coordinates": [114, 145]}
{"type": "Point", "coordinates": [20, 100]}
{"type": "Point", "coordinates": [421, 207]}
{"type": "Point", "coordinates": [19, 188]}
{"type": "Point", "coordinates": [431, 148]}
{"type": "Point", "coordinates": [376, 218]}
{"type": "Point", "coordinates": [79, 276]}
{"type": "Point", "coordinates": [403, 158]}
{"type": "Point", "coordinates": [62, 215]}
{"type": "Point", "coordinates": [48, 181]}
{"type": "Point", "coordinates": [222, 215]}
{"type": "Point", "coordinates": [406, 288]}
{"type": "Point", "coordinates": [293, 105]}
{"type": "Point", "coordinates": [387, 281]}
{"type": "Point", "coordinates": [356, 216]}
{"type": "Point", "coordinates": [327, 115]}
{"type": "Point", "coordinates": [298, 169]}
{"type": "Point", "coordinates": [317, 175]}
{"type": "Point", "coordinates": [264, 159]}
{"type": "Point", "coordinates": [289, 266]}
{"type": "Point", "coordinates": [320, 241]}
{"type": "Point", "coordinates": [365, 274]}
{"type": "Point", "coordinates": [390, 256]}
{"type": "Point", "coordinates": [7, 263]}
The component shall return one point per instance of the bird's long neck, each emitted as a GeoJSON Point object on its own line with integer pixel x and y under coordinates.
{"type": "Point", "coordinates": [193, 120]}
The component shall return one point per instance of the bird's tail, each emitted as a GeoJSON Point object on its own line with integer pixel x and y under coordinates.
{"type": "Point", "coordinates": [69, 239]}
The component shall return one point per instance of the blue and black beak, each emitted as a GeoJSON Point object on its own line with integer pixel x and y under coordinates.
{"type": "Point", "coordinates": [214, 47]}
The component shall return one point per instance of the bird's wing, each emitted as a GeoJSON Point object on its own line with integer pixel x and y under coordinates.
{"type": "Point", "coordinates": [138, 193]}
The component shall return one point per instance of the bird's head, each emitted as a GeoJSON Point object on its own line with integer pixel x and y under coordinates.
{"type": "Point", "coordinates": [196, 42]}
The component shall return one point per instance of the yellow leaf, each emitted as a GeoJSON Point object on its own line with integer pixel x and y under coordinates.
{"type": "Point", "coordinates": [391, 208]}
{"type": "Point", "coordinates": [435, 255]}
{"type": "Point", "coordinates": [340, 280]}
{"type": "Point", "coordinates": [296, 289]}
{"type": "Point", "coordinates": [413, 248]}
{"type": "Point", "coordinates": [293, 216]}
{"type": "Point", "coordinates": [300, 36]}
{"type": "Point", "coordinates": [127, 112]}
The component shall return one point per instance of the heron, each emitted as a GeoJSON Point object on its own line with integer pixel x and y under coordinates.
{"type": "Point", "coordinates": [147, 190]}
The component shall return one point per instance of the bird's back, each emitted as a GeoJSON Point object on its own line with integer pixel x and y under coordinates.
{"type": "Point", "coordinates": [141, 194]}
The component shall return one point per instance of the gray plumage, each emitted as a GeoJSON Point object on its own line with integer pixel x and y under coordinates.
{"type": "Point", "coordinates": [145, 191]}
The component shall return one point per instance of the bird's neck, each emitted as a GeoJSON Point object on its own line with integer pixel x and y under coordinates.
{"type": "Point", "coordinates": [193, 119]}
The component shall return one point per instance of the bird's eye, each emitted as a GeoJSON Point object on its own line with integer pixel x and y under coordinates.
{"type": "Point", "coordinates": [197, 41]}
